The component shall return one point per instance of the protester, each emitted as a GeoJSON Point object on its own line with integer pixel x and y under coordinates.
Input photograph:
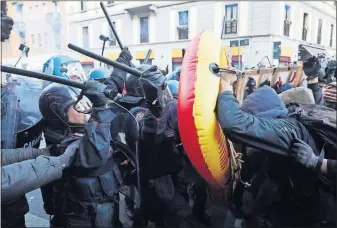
{"type": "Point", "coordinates": [261, 124]}
{"type": "Point", "coordinates": [305, 156]}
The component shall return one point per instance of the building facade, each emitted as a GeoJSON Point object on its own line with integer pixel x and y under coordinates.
{"type": "Point", "coordinates": [282, 31]}
{"type": "Point", "coordinates": [252, 31]}
{"type": "Point", "coordinates": [270, 33]}
{"type": "Point", "coordinates": [42, 26]}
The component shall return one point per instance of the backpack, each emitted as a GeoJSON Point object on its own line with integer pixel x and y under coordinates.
{"type": "Point", "coordinates": [320, 121]}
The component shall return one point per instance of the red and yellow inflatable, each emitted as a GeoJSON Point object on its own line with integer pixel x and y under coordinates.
{"type": "Point", "coordinates": [200, 132]}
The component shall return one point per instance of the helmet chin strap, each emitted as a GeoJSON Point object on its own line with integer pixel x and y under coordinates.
{"type": "Point", "coordinates": [75, 128]}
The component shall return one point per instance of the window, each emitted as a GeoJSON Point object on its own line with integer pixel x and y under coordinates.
{"type": "Point", "coordinates": [86, 37]}
{"type": "Point", "coordinates": [144, 29]}
{"type": "Point", "coordinates": [319, 33]}
{"type": "Point", "coordinates": [141, 61]}
{"type": "Point", "coordinates": [39, 39]}
{"type": "Point", "coordinates": [331, 35]}
{"type": "Point", "coordinates": [45, 39]}
{"type": "Point", "coordinates": [231, 17]}
{"type": "Point", "coordinates": [287, 22]}
{"type": "Point", "coordinates": [112, 41]}
{"type": "Point", "coordinates": [83, 5]}
{"type": "Point", "coordinates": [110, 2]}
{"type": "Point", "coordinates": [305, 27]}
{"type": "Point", "coordinates": [277, 50]}
{"type": "Point", "coordinates": [57, 40]}
{"type": "Point", "coordinates": [33, 39]}
{"type": "Point", "coordinates": [183, 25]}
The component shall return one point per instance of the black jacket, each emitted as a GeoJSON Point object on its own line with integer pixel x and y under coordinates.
{"type": "Point", "coordinates": [274, 135]}
{"type": "Point", "coordinates": [158, 152]}
{"type": "Point", "coordinates": [117, 78]}
{"type": "Point", "coordinates": [317, 92]}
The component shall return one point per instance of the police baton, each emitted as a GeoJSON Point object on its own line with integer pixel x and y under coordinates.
{"type": "Point", "coordinates": [111, 25]}
{"type": "Point", "coordinates": [107, 61]}
{"type": "Point", "coordinates": [47, 77]}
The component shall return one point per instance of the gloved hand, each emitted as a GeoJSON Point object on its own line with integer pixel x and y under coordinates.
{"type": "Point", "coordinates": [125, 57]}
{"type": "Point", "coordinates": [305, 156]}
{"type": "Point", "coordinates": [6, 27]}
{"type": "Point", "coordinates": [68, 157]}
{"type": "Point", "coordinates": [312, 67]}
{"type": "Point", "coordinates": [95, 92]}
{"type": "Point", "coordinates": [153, 82]}
{"type": "Point", "coordinates": [251, 85]}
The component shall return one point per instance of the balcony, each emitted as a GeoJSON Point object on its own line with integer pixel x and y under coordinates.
{"type": "Point", "coordinates": [286, 27]}
{"type": "Point", "coordinates": [231, 27]}
{"type": "Point", "coordinates": [304, 34]}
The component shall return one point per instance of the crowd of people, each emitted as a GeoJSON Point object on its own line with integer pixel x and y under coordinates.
{"type": "Point", "coordinates": [94, 153]}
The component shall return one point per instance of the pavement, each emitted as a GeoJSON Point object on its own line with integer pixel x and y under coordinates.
{"type": "Point", "coordinates": [220, 216]}
{"type": "Point", "coordinates": [36, 216]}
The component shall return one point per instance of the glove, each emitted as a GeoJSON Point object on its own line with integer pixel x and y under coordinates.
{"type": "Point", "coordinates": [125, 57]}
{"type": "Point", "coordinates": [312, 67]}
{"type": "Point", "coordinates": [6, 27]}
{"type": "Point", "coordinates": [95, 92]}
{"type": "Point", "coordinates": [153, 83]}
{"type": "Point", "coordinates": [304, 155]}
{"type": "Point", "coordinates": [251, 85]}
{"type": "Point", "coordinates": [68, 157]}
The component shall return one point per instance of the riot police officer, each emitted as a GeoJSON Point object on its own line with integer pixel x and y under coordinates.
{"type": "Point", "coordinates": [134, 96]}
{"type": "Point", "coordinates": [85, 197]}
{"type": "Point", "coordinates": [159, 159]}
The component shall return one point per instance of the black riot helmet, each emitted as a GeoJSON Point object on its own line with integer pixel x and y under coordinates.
{"type": "Point", "coordinates": [54, 103]}
{"type": "Point", "coordinates": [132, 84]}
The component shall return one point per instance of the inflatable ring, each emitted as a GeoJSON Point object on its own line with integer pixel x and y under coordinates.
{"type": "Point", "coordinates": [201, 134]}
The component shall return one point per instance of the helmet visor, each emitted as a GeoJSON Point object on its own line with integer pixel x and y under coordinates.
{"type": "Point", "coordinates": [75, 71]}
{"type": "Point", "coordinates": [83, 105]}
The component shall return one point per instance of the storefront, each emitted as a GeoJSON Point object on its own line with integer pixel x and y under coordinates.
{"type": "Point", "coordinates": [177, 58]}
{"type": "Point", "coordinates": [141, 55]}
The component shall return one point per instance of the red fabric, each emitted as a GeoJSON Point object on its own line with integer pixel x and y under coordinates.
{"type": "Point", "coordinates": [187, 128]}
{"type": "Point", "coordinates": [285, 59]}
{"type": "Point", "coordinates": [235, 58]}
{"type": "Point", "coordinates": [124, 90]}
{"type": "Point", "coordinates": [177, 60]}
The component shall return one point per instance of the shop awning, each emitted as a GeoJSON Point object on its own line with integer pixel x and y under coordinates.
{"type": "Point", "coordinates": [235, 51]}
{"type": "Point", "coordinates": [177, 53]}
{"type": "Point", "coordinates": [306, 51]}
{"type": "Point", "coordinates": [142, 55]}
{"type": "Point", "coordinates": [285, 51]}
{"type": "Point", "coordinates": [112, 56]}
{"type": "Point", "coordinates": [86, 59]}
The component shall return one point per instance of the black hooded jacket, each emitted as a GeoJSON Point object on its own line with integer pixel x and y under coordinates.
{"type": "Point", "coordinates": [267, 128]}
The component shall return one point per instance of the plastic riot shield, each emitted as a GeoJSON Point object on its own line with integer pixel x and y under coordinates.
{"type": "Point", "coordinates": [22, 123]}
{"type": "Point", "coordinates": [124, 132]}
{"type": "Point", "coordinates": [8, 119]}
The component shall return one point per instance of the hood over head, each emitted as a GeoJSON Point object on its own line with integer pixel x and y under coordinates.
{"type": "Point", "coordinates": [265, 103]}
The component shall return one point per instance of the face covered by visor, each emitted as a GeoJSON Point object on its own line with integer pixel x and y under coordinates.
{"type": "Point", "coordinates": [75, 71]}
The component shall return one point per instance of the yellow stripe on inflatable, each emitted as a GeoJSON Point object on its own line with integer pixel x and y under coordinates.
{"type": "Point", "coordinates": [211, 139]}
